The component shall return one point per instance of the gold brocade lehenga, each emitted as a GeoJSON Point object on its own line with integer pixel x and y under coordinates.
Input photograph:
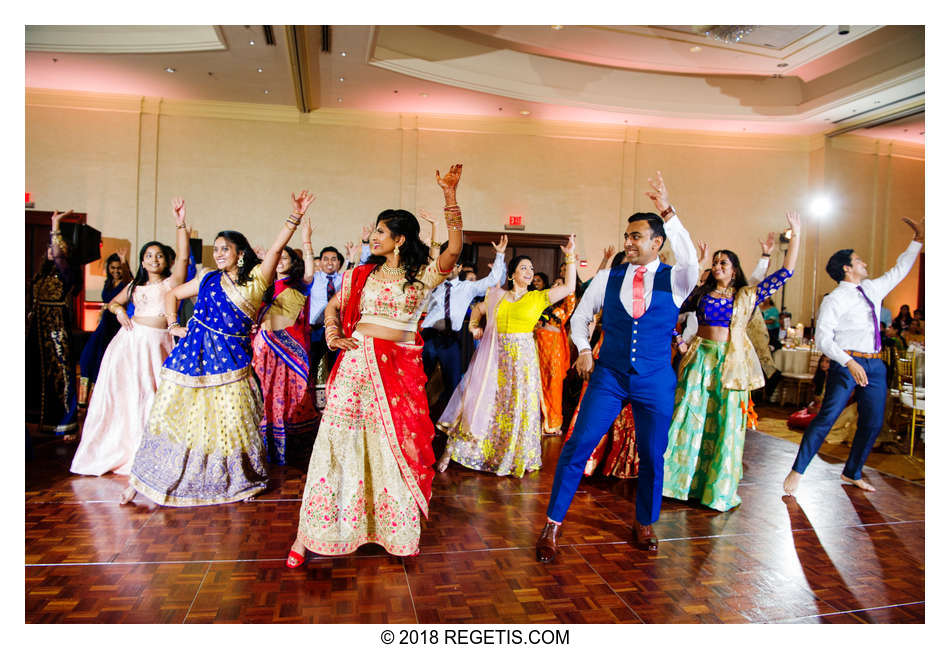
{"type": "Point", "coordinates": [493, 419]}
{"type": "Point", "coordinates": [370, 473]}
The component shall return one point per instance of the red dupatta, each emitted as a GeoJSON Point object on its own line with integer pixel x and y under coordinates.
{"type": "Point", "coordinates": [399, 382]}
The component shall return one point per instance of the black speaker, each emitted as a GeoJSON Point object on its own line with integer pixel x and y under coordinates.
{"type": "Point", "coordinates": [85, 242]}
{"type": "Point", "coordinates": [195, 246]}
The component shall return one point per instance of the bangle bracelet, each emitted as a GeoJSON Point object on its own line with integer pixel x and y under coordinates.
{"type": "Point", "coordinates": [181, 226]}
{"type": "Point", "coordinates": [668, 210]}
{"type": "Point", "coordinates": [570, 259]}
{"type": "Point", "coordinates": [766, 255]}
{"type": "Point", "coordinates": [172, 326]}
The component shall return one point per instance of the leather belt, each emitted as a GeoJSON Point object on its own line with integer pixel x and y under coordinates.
{"type": "Point", "coordinates": [864, 354]}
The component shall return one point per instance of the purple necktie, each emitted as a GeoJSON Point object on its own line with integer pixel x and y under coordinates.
{"type": "Point", "coordinates": [331, 288]}
{"type": "Point", "coordinates": [448, 312]}
{"type": "Point", "coordinates": [877, 326]}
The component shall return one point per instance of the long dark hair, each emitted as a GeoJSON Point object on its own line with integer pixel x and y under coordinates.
{"type": "Point", "coordinates": [294, 276]}
{"type": "Point", "coordinates": [512, 266]}
{"type": "Point", "coordinates": [243, 247]}
{"type": "Point", "coordinates": [413, 253]}
{"type": "Point", "coordinates": [141, 275]}
{"type": "Point", "coordinates": [114, 257]}
{"type": "Point", "coordinates": [709, 285]}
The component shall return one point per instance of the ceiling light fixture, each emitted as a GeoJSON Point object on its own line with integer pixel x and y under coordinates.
{"type": "Point", "coordinates": [525, 113]}
{"type": "Point", "coordinates": [557, 28]}
{"type": "Point", "coordinates": [695, 48]}
{"type": "Point", "coordinates": [341, 79]}
{"type": "Point", "coordinates": [252, 42]}
{"type": "Point", "coordinates": [725, 33]}
{"type": "Point", "coordinates": [339, 99]}
{"type": "Point", "coordinates": [267, 92]}
{"type": "Point", "coordinates": [783, 65]}
{"type": "Point", "coordinates": [342, 53]}
{"type": "Point", "coordinates": [260, 69]}
{"type": "Point", "coordinates": [170, 70]}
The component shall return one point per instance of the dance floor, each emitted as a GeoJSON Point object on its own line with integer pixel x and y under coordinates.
{"type": "Point", "coordinates": [835, 554]}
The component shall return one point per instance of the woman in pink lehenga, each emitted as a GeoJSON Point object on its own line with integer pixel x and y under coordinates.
{"type": "Point", "coordinates": [128, 375]}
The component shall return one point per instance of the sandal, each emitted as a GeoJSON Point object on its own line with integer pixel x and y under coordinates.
{"type": "Point", "coordinates": [294, 560]}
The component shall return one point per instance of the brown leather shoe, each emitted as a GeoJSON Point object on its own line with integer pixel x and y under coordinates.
{"type": "Point", "coordinates": [546, 547]}
{"type": "Point", "coordinates": [644, 536]}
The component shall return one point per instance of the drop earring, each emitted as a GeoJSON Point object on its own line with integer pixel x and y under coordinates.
{"type": "Point", "coordinates": [240, 263]}
{"type": "Point", "coordinates": [396, 250]}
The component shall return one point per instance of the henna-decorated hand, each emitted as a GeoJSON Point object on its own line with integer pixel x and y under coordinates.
{"type": "Point", "coordinates": [178, 207]}
{"type": "Point", "coordinates": [450, 180]}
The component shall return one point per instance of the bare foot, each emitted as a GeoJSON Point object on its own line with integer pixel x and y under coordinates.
{"type": "Point", "coordinates": [127, 496]}
{"type": "Point", "coordinates": [791, 482]}
{"type": "Point", "coordinates": [860, 483]}
{"type": "Point", "coordinates": [444, 460]}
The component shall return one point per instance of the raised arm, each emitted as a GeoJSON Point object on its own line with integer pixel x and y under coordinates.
{"type": "Point", "coordinates": [762, 267]}
{"type": "Point", "coordinates": [306, 233]}
{"type": "Point", "coordinates": [56, 242]}
{"type": "Point", "coordinates": [180, 292]}
{"type": "Point", "coordinates": [794, 222]}
{"type": "Point", "coordinates": [272, 256]}
{"type": "Point", "coordinates": [433, 244]}
{"type": "Point", "coordinates": [482, 285]}
{"type": "Point", "coordinates": [686, 271]}
{"type": "Point", "coordinates": [885, 283]}
{"type": "Point", "coordinates": [453, 217]}
{"type": "Point", "coordinates": [123, 254]}
{"type": "Point", "coordinates": [558, 293]}
{"type": "Point", "coordinates": [180, 268]}
{"type": "Point", "coordinates": [609, 253]}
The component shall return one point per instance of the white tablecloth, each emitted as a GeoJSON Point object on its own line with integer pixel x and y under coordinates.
{"type": "Point", "coordinates": [792, 361]}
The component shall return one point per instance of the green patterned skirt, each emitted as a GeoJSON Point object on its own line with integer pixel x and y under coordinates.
{"type": "Point", "coordinates": [703, 460]}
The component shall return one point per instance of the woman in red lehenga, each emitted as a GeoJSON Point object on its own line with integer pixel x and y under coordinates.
{"type": "Point", "coordinates": [370, 474]}
{"type": "Point", "coordinates": [281, 351]}
{"type": "Point", "coordinates": [619, 444]}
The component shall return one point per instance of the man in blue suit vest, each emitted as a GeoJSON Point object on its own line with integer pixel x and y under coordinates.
{"type": "Point", "coordinates": [640, 302]}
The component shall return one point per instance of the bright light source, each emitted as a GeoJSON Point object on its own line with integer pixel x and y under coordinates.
{"type": "Point", "coordinates": [821, 206]}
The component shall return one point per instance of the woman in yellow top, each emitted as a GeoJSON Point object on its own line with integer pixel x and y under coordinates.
{"type": "Point", "coordinates": [201, 445]}
{"type": "Point", "coordinates": [281, 351]}
{"type": "Point", "coordinates": [493, 419]}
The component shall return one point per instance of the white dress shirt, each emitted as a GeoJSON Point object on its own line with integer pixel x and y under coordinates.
{"type": "Point", "coordinates": [683, 280]}
{"type": "Point", "coordinates": [318, 292]}
{"type": "Point", "coordinates": [844, 318]}
{"type": "Point", "coordinates": [463, 292]}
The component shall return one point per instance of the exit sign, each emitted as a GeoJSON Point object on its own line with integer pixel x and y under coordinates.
{"type": "Point", "coordinates": [515, 222]}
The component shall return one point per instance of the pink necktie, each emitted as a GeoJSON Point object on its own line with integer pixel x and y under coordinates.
{"type": "Point", "coordinates": [639, 304]}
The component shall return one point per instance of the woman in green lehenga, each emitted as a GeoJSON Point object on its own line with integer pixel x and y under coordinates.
{"type": "Point", "coordinates": [703, 460]}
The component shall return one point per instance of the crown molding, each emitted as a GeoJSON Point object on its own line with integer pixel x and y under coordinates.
{"type": "Point", "coordinates": [874, 146]}
{"type": "Point", "coordinates": [423, 122]}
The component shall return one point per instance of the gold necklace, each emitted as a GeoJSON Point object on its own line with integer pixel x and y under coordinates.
{"type": "Point", "coordinates": [724, 292]}
{"type": "Point", "coordinates": [389, 271]}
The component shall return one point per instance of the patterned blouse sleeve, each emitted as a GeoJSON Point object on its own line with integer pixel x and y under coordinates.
{"type": "Point", "coordinates": [770, 284]}
{"type": "Point", "coordinates": [432, 276]}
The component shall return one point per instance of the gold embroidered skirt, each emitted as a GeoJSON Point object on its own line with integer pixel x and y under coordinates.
{"type": "Point", "coordinates": [202, 445]}
{"type": "Point", "coordinates": [355, 493]}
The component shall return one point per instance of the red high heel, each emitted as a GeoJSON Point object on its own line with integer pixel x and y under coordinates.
{"type": "Point", "coordinates": [294, 560]}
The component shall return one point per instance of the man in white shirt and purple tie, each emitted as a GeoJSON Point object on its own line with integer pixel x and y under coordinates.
{"type": "Point", "coordinates": [848, 332]}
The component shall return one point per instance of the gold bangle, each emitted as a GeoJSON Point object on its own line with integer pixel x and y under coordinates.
{"type": "Point", "coordinates": [570, 259]}
{"type": "Point", "coordinates": [181, 226]}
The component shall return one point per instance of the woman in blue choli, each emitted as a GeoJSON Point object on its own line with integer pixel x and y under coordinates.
{"type": "Point", "coordinates": [117, 278]}
{"type": "Point", "coordinates": [202, 445]}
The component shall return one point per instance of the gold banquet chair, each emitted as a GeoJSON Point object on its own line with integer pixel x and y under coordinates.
{"type": "Point", "coordinates": [910, 397]}
{"type": "Point", "coordinates": [800, 381]}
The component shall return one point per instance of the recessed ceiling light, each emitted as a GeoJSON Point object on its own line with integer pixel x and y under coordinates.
{"type": "Point", "coordinates": [395, 92]}
{"type": "Point", "coordinates": [695, 48]}
{"type": "Point", "coordinates": [783, 65]}
{"type": "Point", "coordinates": [341, 79]}
{"type": "Point", "coordinates": [260, 69]}
{"type": "Point", "coordinates": [423, 94]}
{"type": "Point", "coordinates": [342, 53]}
{"type": "Point", "coordinates": [524, 112]}
{"type": "Point", "coordinates": [252, 42]}
{"type": "Point", "coordinates": [557, 28]}
{"type": "Point", "coordinates": [170, 70]}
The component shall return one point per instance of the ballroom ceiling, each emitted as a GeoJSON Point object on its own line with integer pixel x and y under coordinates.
{"type": "Point", "coordinates": [787, 79]}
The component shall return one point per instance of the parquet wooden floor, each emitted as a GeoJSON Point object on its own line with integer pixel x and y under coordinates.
{"type": "Point", "coordinates": [833, 555]}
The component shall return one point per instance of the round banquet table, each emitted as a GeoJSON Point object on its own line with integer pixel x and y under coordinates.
{"type": "Point", "coordinates": [792, 361]}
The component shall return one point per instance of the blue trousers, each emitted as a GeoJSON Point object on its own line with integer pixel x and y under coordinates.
{"type": "Point", "coordinates": [447, 351]}
{"type": "Point", "coordinates": [870, 399]}
{"type": "Point", "coordinates": [651, 397]}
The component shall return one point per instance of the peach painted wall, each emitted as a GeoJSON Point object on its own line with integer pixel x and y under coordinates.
{"type": "Point", "coordinates": [122, 160]}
